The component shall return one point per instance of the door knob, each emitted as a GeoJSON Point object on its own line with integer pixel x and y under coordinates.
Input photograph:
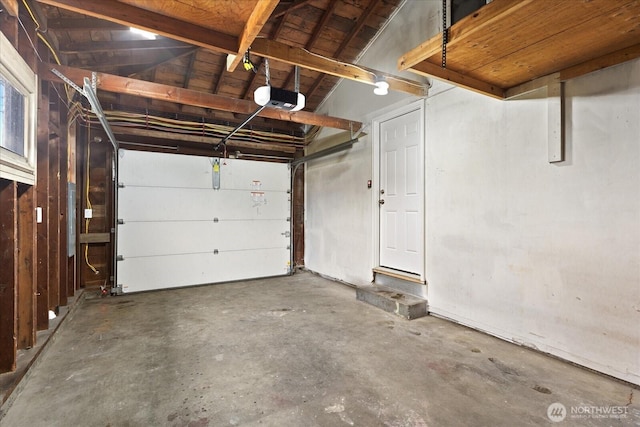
{"type": "Point", "coordinates": [381, 201]}
{"type": "Point", "coordinates": [381, 191]}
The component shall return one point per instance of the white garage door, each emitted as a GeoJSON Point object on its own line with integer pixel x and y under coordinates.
{"type": "Point", "coordinates": [177, 229]}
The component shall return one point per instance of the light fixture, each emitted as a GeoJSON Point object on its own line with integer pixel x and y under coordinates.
{"type": "Point", "coordinates": [146, 34]}
{"type": "Point", "coordinates": [279, 98]}
{"type": "Point", "coordinates": [382, 86]}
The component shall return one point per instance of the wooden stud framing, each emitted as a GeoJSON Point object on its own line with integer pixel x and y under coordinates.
{"type": "Point", "coordinates": [54, 224]}
{"type": "Point", "coordinates": [8, 274]}
{"type": "Point", "coordinates": [26, 289]}
{"type": "Point", "coordinates": [42, 189]}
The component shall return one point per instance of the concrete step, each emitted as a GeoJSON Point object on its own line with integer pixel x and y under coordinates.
{"type": "Point", "coordinates": [392, 301]}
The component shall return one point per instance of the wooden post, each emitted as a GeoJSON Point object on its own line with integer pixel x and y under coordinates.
{"type": "Point", "coordinates": [297, 215]}
{"type": "Point", "coordinates": [54, 223]}
{"type": "Point", "coordinates": [8, 275]}
{"type": "Point", "coordinates": [62, 204]}
{"type": "Point", "coordinates": [42, 186]}
{"type": "Point", "coordinates": [26, 267]}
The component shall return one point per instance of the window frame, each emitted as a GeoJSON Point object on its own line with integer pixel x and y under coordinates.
{"type": "Point", "coordinates": [15, 70]}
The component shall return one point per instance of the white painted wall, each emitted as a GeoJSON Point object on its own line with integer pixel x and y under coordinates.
{"type": "Point", "coordinates": [547, 255]}
{"type": "Point", "coordinates": [543, 254]}
{"type": "Point", "coordinates": [338, 206]}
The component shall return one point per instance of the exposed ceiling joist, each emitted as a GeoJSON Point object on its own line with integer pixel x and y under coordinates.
{"type": "Point", "coordinates": [141, 58]}
{"type": "Point", "coordinates": [284, 8]}
{"type": "Point", "coordinates": [84, 24]}
{"type": "Point", "coordinates": [124, 85]}
{"type": "Point", "coordinates": [124, 14]}
{"type": "Point", "coordinates": [111, 46]}
{"type": "Point", "coordinates": [444, 74]}
{"type": "Point", "coordinates": [605, 61]}
{"type": "Point", "coordinates": [252, 28]}
{"type": "Point", "coordinates": [11, 6]}
{"type": "Point", "coordinates": [302, 57]}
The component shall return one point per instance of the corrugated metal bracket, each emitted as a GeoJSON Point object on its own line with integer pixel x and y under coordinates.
{"type": "Point", "coordinates": [121, 185]}
{"type": "Point", "coordinates": [120, 258]}
{"type": "Point", "coordinates": [120, 221]}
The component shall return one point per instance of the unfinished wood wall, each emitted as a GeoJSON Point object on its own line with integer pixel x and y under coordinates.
{"type": "Point", "coordinates": [95, 191]}
{"type": "Point", "coordinates": [36, 273]}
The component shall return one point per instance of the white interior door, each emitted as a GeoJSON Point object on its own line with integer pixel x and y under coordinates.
{"type": "Point", "coordinates": [401, 198]}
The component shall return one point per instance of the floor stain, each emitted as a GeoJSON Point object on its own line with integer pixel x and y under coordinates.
{"type": "Point", "coordinates": [541, 389]}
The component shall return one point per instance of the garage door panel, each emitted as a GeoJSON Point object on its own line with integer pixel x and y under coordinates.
{"type": "Point", "coordinates": [150, 273]}
{"type": "Point", "coordinates": [147, 238]}
{"type": "Point", "coordinates": [196, 172]}
{"type": "Point", "coordinates": [162, 204]}
{"type": "Point", "coordinates": [176, 230]}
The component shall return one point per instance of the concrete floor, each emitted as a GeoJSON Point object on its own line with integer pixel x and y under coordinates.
{"type": "Point", "coordinates": [293, 351]}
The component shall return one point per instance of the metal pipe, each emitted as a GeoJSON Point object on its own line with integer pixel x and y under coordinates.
{"type": "Point", "coordinates": [240, 126]}
{"type": "Point", "coordinates": [97, 109]}
{"type": "Point", "coordinates": [335, 149]}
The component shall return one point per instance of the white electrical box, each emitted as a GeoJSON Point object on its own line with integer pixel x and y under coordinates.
{"type": "Point", "coordinates": [88, 213]}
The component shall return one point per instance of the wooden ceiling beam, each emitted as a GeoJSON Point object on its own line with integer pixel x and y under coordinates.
{"type": "Point", "coordinates": [143, 58]}
{"type": "Point", "coordinates": [164, 59]}
{"type": "Point", "coordinates": [127, 45]}
{"type": "Point", "coordinates": [609, 60]}
{"type": "Point", "coordinates": [283, 9]}
{"type": "Point", "coordinates": [315, 35]}
{"type": "Point", "coordinates": [347, 40]}
{"type": "Point", "coordinates": [428, 69]}
{"type": "Point", "coordinates": [124, 14]}
{"type": "Point", "coordinates": [118, 84]}
{"type": "Point", "coordinates": [302, 57]}
{"type": "Point", "coordinates": [274, 35]}
{"type": "Point", "coordinates": [252, 28]}
{"type": "Point", "coordinates": [84, 24]}
{"type": "Point", "coordinates": [462, 30]}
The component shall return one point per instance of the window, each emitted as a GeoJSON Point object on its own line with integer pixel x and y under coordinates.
{"type": "Point", "coordinates": [18, 86]}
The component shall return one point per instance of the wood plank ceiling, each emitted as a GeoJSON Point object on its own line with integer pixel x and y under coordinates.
{"type": "Point", "coordinates": [510, 47]}
{"type": "Point", "coordinates": [199, 50]}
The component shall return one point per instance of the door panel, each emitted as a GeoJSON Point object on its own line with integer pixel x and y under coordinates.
{"type": "Point", "coordinates": [402, 193]}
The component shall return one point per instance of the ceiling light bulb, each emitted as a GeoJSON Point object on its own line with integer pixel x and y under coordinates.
{"type": "Point", "coordinates": [382, 87]}
{"type": "Point", "coordinates": [146, 34]}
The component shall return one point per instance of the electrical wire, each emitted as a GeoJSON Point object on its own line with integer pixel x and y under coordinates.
{"type": "Point", "coordinates": [47, 44]}
{"type": "Point", "coordinates": [89, 206]}
{"type": "Point", "coordinates": [150, 122]}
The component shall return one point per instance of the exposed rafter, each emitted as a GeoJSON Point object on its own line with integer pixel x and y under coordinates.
{"type": "Point", "coordinates": [127, 45]}
{"type": "Point", "coordinates": [252, 28]}
{"type": "Point", "coordinates": [112, 83]}
{"type": "Point", "coordinates": [302, 57]}
{"type": "Point", "coordinates": [348, 39]}
{"type": "Point", "coordinates": [124, 14]}
{"type": "Point", "coordinates": [316, 33]}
